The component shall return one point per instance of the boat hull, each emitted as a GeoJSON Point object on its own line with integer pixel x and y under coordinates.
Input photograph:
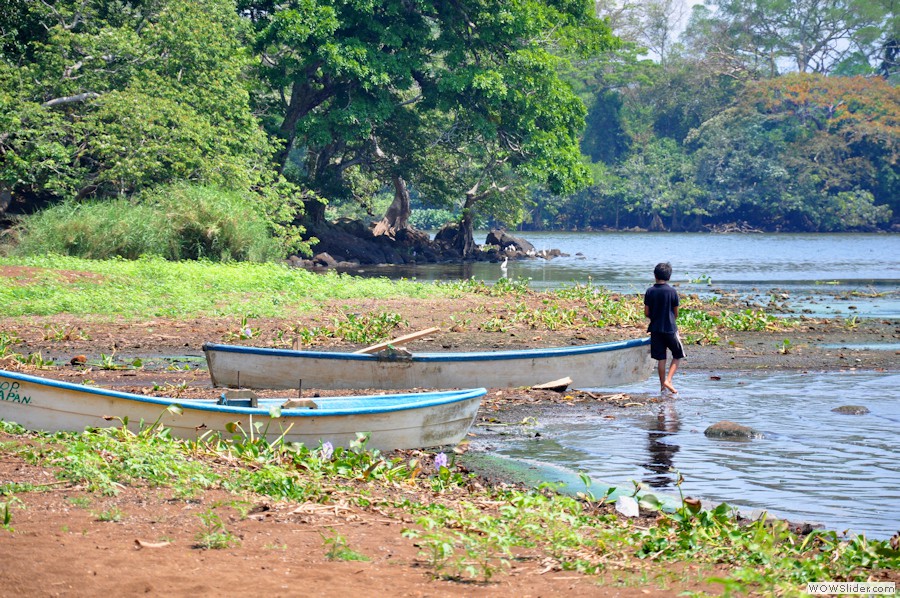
{"type": "Point", "coordinates": [589, 366]}
{"type": "Point", "coordinates": [392, 421]}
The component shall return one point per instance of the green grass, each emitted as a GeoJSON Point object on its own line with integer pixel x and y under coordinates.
{"type": "Point", "coordinates": [153, 287]}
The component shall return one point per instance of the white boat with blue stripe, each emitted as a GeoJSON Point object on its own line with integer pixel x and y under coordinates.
{"type": "Point", "coordinates": [600, 365]}
{"type": "Point", "coordinates": [391, 421]}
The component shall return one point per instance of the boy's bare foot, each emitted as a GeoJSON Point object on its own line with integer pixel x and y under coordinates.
{"type": "Point", "coordinates": [668, 386]}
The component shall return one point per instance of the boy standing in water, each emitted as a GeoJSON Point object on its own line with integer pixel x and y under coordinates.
{"type": "Point", "coordinates": [661, 306]}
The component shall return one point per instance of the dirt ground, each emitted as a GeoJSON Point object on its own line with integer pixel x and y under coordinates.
{"type": "Point", "coordinates": [58, 546]}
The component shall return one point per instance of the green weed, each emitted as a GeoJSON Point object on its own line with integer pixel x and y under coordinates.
{"type": "Point", "coordinates": [367, 328]}
{"type": "Point", "coordinates": [213, 535]}
{"type": "Point", "coordinates": [113, 515]}
{"type": "Point", "coordinates": [7, 339]}
{"type": "Point", "coordinates": [459, 324]}
{"type": "Point", "coordinates": [498, 324]}
{"type": "Point", "coordinates": [244, 331]}
{"type": "Point", "coordinates": [34, 360]}
{"type": "Point", "coordinates": [501, 288]}
{"type": "Point", "coordinates": [766, 556]}
{"type": "Point", "coordinates": [702, 279]}
{"type": "Point", "coordinates": [337, 549]}
{"type": "Point", "coordinates": [82, 502]}
{"type": "Point", "coordinates": [52, 332]}
{"type": "Point", "coordinates": [108, 362]}
{"type": "Point", "coordinates": [6, 507]}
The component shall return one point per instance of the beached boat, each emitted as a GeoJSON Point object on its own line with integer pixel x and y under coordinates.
{"type": "Point", "coordinates": [392, 421]}
{"type": "Point", "coordinates": [589, 366]}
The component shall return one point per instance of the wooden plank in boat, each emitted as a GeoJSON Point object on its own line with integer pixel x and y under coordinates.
{"type": "Point", "coordinates": [399, 340]}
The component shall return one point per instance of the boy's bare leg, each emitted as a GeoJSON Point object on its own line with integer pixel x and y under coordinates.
{"type": "Point", "coordinates": [667, 382]}
{"type": "Point", "coordinates": [661, 369]}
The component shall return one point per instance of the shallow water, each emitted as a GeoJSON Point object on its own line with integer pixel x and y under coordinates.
{"type": "Point", "coordinates": [813, 464]}
{"type": "Point", "coordinates": [821, 274]}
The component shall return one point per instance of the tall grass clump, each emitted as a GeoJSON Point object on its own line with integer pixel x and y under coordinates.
{"type": "Point", "coordinates": [94, 230]}
{"type": "Point", "coordinates": [175, 222]}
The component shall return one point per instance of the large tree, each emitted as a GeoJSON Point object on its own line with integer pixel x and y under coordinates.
{"type": "Point", "coordinates": [806, 36]}
{"type": "Point", "coordinates": [102, 99]}
{"type": "Point", "coordinates": [474, 83]}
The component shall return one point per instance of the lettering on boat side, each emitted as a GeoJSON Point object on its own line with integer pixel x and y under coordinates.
{"type": "Point", "coordinates": [9, 391]}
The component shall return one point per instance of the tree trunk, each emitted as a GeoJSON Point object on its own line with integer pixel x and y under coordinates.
{"type": "Point", "coordinates": [676, 220]}
{"type": "Point", "coordinates": [5, 198]}
{"type": "Point", "coordinates": [396, 218]}
{"type": "Point", "coordinates": [656, 225]}
{"type": "Point", "coordinates": [466, 239]}
{"type": "Point", "coordinates": [303, 100]}
{"type": "Point", "coordinates": [465, 242]}
{"type": "Point", "coordinates": [314, 211]}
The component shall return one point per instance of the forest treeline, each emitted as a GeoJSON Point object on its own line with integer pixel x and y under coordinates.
{"type": "Point", "coordinates": [196, 124]}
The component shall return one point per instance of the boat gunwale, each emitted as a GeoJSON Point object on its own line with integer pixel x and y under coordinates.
{"type": "Point", "coordinates": [429, 399]}
{"type": "Point", "coordinates": [449, 356]}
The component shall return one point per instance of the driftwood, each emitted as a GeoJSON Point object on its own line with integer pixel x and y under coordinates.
{"type": "Point", "coordinates": [399, 340]}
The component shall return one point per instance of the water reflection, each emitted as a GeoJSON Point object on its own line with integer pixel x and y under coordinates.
{"type": "Point", "coordinates": [661, 453]}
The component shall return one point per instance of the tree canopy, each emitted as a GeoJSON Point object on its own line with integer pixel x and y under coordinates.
{"type": "Point", "coordinates": [525, 112]}
{"type": "Point", "coordinates": [107, 102]}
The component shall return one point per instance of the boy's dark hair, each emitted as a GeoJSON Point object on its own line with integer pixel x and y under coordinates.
{"type": "Point", "coordinates": [663, 271]}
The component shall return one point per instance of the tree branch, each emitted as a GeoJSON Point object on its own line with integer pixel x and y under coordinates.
{"type": "Point", "coordinates": [411, 101]}
{"type": "Point", "coordinates": [81, 97]}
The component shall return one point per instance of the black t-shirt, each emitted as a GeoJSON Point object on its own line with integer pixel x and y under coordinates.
{"type": "Point", "coordinates": [662, 300]}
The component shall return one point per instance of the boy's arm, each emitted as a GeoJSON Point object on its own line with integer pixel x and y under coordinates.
{"type": "Point", "coordinates": [675, 311]}
{"type": "Point", "coordinates": [646, 311]}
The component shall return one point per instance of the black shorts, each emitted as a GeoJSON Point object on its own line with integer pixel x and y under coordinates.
{"type": "Point", "coordinates": [660, 341]}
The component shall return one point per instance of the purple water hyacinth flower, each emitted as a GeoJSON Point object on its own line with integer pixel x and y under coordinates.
{"type": "Point", "coordinates": [440, 460]}
{"type": "Point", "coordinates": [327, 450]}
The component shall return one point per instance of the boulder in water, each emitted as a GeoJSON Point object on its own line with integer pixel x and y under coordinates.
{"type": "Point", "coordinates": [851, 410]}
{"type": "Point", "coordinates": [731, 430]}
{"type": "Point", "coordinates": [508, 243]}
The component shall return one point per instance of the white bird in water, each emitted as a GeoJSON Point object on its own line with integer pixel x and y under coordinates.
{"type": "Point", "coordinates": [503, 266]}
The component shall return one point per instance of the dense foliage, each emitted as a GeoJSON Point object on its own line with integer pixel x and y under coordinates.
{"type": "Point", "coordinates": [529, 113]}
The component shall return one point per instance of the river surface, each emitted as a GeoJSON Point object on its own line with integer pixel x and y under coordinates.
{"type": "Point", "coordinates": [813, 464]}
{"type": "Point", "coordinates": [818, 274]}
